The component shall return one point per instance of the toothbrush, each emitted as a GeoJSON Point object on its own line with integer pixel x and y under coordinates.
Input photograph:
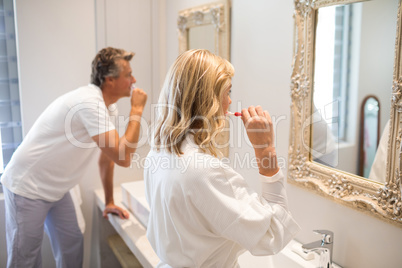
{"type": "Point", "coordinates": [132, 88]}
{"type": "Point", "coordinates": [235, 113]}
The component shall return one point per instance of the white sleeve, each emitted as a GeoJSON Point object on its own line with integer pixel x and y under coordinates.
{"type": "Point", "coordinates": [273, 189]}
{"type": "Point", "coordinates": [378, 170]}
{"type": "Point", "coordinates": [237, 213]}
{"type": "Point", "coordinates": [95, 117]}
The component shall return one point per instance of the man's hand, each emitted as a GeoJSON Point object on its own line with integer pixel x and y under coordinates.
{"type": "Point", "coordinates": [112, 208]}
{"type": "Point", "coordinates": [138, 100]}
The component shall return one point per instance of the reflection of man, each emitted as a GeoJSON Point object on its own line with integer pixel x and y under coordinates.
{"type": "Point", "coordinates": [51, 160]}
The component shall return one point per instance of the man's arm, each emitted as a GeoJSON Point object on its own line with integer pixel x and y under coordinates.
{"type": "Point", "coordinates": [106, 168]}
{"type": "Point", "coordinates": [119, 150]}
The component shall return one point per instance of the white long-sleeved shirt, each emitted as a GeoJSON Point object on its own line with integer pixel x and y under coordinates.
{"type": "Point", "coordinates": [203, 213]}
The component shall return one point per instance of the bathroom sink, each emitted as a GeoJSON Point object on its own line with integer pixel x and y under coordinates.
{"type": "Point", "coordinates": [287, 258]}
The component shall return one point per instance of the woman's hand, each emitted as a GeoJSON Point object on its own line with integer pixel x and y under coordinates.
{"type": "Point", "coordinates": [260, 132]}
{"type": "Point", "coordinates": [259, 127]}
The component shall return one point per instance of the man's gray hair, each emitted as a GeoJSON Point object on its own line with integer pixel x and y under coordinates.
{"type": "Point", "coordinates": [105, 64]}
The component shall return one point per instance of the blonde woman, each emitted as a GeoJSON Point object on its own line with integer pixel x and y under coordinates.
{"type": "Point", "coordinates": [203, 213]}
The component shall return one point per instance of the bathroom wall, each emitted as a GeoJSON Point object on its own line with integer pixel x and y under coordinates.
{"type": "Point", "coordinates": [262, 47]}
{"type": "Point", "coordinates": [58, 39]}
{"type": "Point", "coordinates": [261, 52]}
{"type": "Point", "coordinates": [57, 42]}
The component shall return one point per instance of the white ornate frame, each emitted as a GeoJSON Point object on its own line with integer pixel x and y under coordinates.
{"type": "Point", "coordinates": [218, 15]}
{"type": "Point", "coordinates": [382, 201]}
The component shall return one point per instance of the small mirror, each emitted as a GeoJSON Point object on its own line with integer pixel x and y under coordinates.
{"type": "Point", "coordinates": [206, 27]}
{"type": "Point", "coordinates": [369, 134]}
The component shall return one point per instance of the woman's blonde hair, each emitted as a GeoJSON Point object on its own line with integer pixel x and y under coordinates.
{"type": "Point", "coordinates": [190, 101]}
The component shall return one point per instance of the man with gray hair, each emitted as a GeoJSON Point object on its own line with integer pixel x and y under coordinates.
{"type": "Point", "coordinates": [52, 159]}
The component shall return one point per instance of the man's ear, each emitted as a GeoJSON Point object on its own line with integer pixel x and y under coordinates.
{"type": "Point", "coordinates": [109, 80]}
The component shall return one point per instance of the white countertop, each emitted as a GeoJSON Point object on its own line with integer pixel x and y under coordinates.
{"type": "Point", "coordinates": [131, 230]}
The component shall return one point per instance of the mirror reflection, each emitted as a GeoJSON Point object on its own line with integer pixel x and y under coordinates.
{"type": "Point", "coordinates": [202, 37]}
{"type": "Point", "coordinates": [369, 134]}
{"type": "Point", "coordinates": [354, 55]}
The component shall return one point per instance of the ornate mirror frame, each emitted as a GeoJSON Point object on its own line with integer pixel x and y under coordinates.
{"type": "Point", "coordinates": [218, 15]}
{"type": "Point", "coordinates": [379, 200]}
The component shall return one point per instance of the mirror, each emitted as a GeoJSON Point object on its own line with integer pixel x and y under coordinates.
{"type": "Point", "coordinates": [345, 51]}
{"type": "Point", "coordinates": [369, 136]}
{"type": "Point", "coordinates": [208, 27]}
{"type": "Point", "coordinates": [354, 53]}
{"type": "Point", "coordinates": [202, 37]}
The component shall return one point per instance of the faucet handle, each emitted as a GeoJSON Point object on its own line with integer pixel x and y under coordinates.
{"type": "Point", "coordinates": [328, 236]}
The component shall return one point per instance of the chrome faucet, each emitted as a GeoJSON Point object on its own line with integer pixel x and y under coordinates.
{"type": "Point", "coordinates": [322, 247]}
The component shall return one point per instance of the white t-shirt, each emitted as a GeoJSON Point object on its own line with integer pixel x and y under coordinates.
{"type": "Point", "coordinates": [53, 156]}
{"type": "Point", "coordinates": [203, 213]}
